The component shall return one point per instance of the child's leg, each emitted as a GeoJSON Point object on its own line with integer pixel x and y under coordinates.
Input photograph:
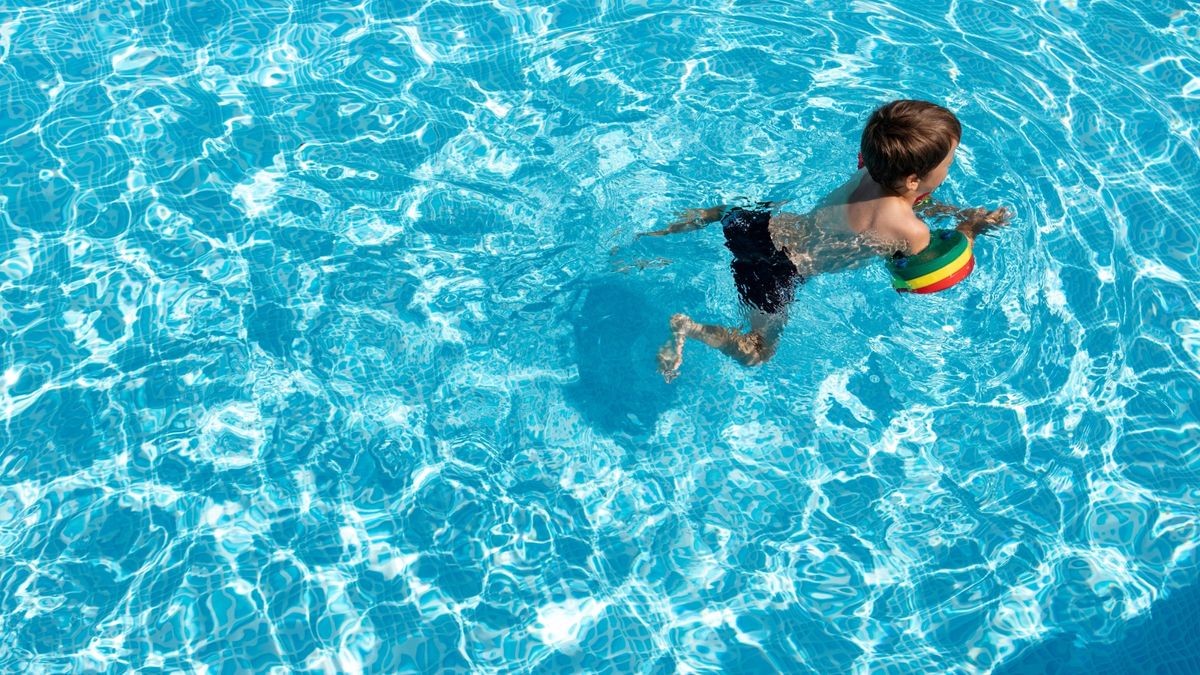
{"type": "Point", "coordinates": [752, 348]}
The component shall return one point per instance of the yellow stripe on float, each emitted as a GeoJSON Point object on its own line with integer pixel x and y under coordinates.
{"type": "Point", "coordinates": [939, 274]}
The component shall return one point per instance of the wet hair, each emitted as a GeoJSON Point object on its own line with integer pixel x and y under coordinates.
{"type": "Point", "coordinates": [906, 137]}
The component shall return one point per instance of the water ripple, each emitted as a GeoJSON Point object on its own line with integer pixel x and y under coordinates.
{"type": "Point", "coordinates": [326, 344]}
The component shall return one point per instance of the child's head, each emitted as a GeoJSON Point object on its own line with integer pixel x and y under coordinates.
{"type": "Point", "coordinates": [906, 139]}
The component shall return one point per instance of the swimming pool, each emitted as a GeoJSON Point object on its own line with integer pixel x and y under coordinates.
{"type": "Point", "coordinates": [328, 344]}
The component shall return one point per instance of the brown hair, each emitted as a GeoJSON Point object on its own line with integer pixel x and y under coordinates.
{"type": "Point", "coordinates": [906, 137]}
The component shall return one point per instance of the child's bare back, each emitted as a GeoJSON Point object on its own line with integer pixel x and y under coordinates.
{"type": "Point", "coordinates": [840, 233]}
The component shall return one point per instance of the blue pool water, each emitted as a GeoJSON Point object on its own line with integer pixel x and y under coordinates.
{"type": "Point", "coordinates": [327, 344]}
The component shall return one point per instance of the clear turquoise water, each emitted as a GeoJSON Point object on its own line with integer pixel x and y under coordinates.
{"type": "Point", "coordinates": [327, 345]}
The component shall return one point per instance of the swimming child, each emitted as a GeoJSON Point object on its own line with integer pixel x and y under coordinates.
{"type": "Point", "coordinates": [907, 148]}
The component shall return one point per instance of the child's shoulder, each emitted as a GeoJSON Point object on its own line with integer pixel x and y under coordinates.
{"type": "Point", "coordinates": [901, 225]}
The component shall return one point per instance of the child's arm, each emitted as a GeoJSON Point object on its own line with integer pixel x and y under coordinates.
{"type": "Point", "coordinates": [691, 219]}
{"type": "Point", "coordinates": [931, 208]}
{"type": "Point", "coordinates": [696, 219]}
{"type": "Point", "coordinates": [911, 237]}
{"type": "Point", "coordinates": [974, 222]}
{"type": "Point", "coordinates": [915, 235]}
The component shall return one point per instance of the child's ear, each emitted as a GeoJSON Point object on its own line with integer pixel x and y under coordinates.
{"type": "Point", "coordinates": [912, 182]}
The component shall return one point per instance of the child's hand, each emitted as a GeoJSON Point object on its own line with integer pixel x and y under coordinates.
{"type": "Point", "coordinates": [974, 222]}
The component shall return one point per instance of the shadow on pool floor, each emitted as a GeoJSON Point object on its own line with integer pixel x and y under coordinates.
{"type": "Point", "coordinates": [617, 333]}
{"type": "Point", "coordinates": [1163, 644]}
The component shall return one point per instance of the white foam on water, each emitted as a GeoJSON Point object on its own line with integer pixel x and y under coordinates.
{"type": "Point", "coordinates": [133, 58]}
{"type": "Point", "coordinates": [231, 436]}
{"type": "Point", "coordinates": [257, 197]}
{"type": "Point", "coordinates": [364, 227]}
{"type": "Point", "coordinates": [560, 625]}
{"type": "Point", "coordinates": [615, 152]}
{"type": "Point", "coordinates": [418, 46]}
{"type": "Point", "coordinates": [1188, 331]}
{"type": "Point", "coordinates": [19, 265]}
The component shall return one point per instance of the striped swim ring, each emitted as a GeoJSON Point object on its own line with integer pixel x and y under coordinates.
{"type": "Point", "coordinates": [946, 261]}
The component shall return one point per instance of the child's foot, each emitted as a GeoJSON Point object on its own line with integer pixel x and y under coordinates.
{"type": "Point", "coordinates": [670, 355]}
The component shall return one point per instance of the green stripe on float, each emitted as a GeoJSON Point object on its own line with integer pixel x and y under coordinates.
{"type": "Point", "coordinates": [937, 255]}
